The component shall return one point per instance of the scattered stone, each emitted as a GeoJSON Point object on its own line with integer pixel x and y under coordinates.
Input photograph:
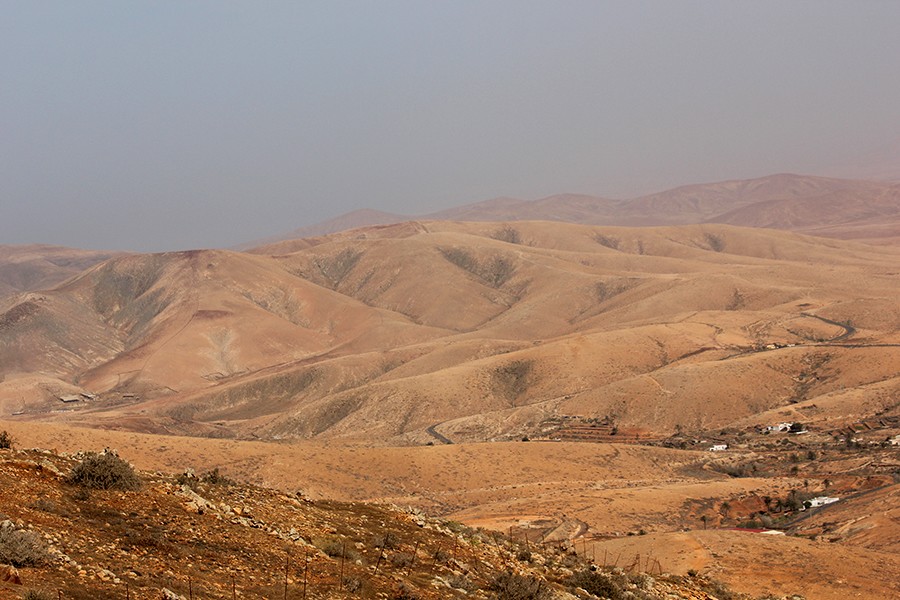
{"type": "Point", "coordinates": [10, 574]}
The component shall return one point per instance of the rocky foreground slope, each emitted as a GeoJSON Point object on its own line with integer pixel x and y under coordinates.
{"type": "Point", "coordinates": [207, 537]}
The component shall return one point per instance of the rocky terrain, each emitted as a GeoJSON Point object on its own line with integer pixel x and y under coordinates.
{"type": "Point", "coordinates": [203, 536]}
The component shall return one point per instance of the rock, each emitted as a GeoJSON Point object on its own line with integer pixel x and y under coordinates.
{"type": "Point", "coordinates": [10, 574]}
{"type": "Point", "coordinates": [168, 594]}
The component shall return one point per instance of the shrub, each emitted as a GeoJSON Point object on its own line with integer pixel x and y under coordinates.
{"type": "Point", "coordinates": [512, 586]}
{"type": "Point", "coordinates": [22, 548]}
{"type": "Point", "coordinates": [6, 441]}
{"type": "Point", "coordinates": [441, 556]}
{"type": "Point", "coordinates": [105, 471]}
{"type": "Point", "coordinates": [597, 583]}
{"type": "Point", "coordinates": [36, 595]}
{"type": "Point", "coordinates": [352, 584]}
{"type": "Point", "coordinates": [388, 541]}
{"type": "Point", "coordinates": [405, 592]}
{"type": "Point", "coordinates": [719, 590]}
{"type": "Point", "coordinates": [334, 547]}
{"type": "Point", "coordinates": [461, 582]}
{"type": "Point", "coordinates": [401, 560]}
{"type": "Point", "coordinates": [215, 478]}
{"type": "Point", "coordinates": [507, 234]}
{"type": "Point", "coordinates": [608, 241]}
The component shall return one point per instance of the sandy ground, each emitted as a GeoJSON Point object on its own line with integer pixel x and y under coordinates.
{"type": "Point", "coordinates": [603, 493]}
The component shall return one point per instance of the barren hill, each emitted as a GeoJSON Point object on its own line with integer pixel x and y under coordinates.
{"type": "Point", "coordinates": [468, 331]}
{"type": "Point", "coordinates": [39, 266]}
{"type": "Point", "coordinates": [839, 208]}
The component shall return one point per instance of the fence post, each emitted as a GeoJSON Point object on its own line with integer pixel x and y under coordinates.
{"type": "Point", "coordinates": [305, 572]}
{"type": "Point", "coordinates": [343, 553]}
{"type": "Point", "coordinates": [287, 566]}
{"type": "Point", "coordinates": [377, 564]}
{"type": "Point", "coordinates": [413, 561]}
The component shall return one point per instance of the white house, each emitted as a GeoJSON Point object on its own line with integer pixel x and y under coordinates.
{"type": "Point", "coordinates": [821, 501]}
{"type": "Point", "coordinates": [718, 447]}
{"type": "Point", "coordinates": [779, 427]}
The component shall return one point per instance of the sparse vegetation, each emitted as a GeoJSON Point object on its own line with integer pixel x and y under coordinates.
{"type": "Point", "coordinates": [607, 241]}
{"type": "Point", "coordinates": [405, 592]}
{"type": "Point", "coordinates": [105, 471]}
{"type": "Point", "coordinates": [388, 541]}
{"type": "Point", "coordinates": [598, 583]}
{"type": "Point", "coordinates": [214, 477]}
{"type": "Point", "coordinates": [512, 586]}
{"type": "Point", "coordinates": [336, 547]}
{"type": "Point", "coordinates": [494, 272]}
{"type": "Point", "coordinates": [715, 243]}
{"type": "Point", "coordinates": [334, 269]}
{"type": "Point", "coordinates": [402, 560]}
{"type": "Point", "coordinates": [21, 547]}
{"type": "Point", "coordinates": [512, 379]}
{"type": "Point", "coordinates": [507, 234]}
{"type": "Point", "coordinates": [6, 441]}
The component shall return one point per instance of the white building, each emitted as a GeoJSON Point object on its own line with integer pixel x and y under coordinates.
{"type": "Point", "coordinates": [821, 501]}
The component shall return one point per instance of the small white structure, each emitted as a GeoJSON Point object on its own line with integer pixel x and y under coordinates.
{"type": "Point", "coordinates": [68, 398]}
{"type": "Point", "coordinates": [821, 501]}
{"type": "Point", "coordinates": [895, 441]}
{"type": "Point", "coordinates": [779, 427]}
{"type": "Point", "coordinates": [718, 447]}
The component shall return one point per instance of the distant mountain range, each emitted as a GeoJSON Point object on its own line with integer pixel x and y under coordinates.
{"type": "Point", "coordinates": [841, 208]}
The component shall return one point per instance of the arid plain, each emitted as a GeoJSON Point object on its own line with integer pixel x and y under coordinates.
{"type": "Point", "coordinates": [512, 370]}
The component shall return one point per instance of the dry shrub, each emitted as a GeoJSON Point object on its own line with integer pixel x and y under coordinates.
{"type": "Point", "coordinates": [22, 548]}
{"type": "Point", "coordinates": [105, 471]}
{"type": "Point", "coordinates": [597, 583]}
{"type": "Point", "coordinates": [335, 546]}
{"type": "Point", "coordinates": [401, 560]}
{"type": "Point", "coordinates": [388, 541]}
{"type": "Point", "coordinates": [507, 234]}
{"type": "Point", "coordinates": [512, 586]}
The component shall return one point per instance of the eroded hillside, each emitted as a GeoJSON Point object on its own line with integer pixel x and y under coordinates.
{"type": "Point", "coordinates": [463, 331]}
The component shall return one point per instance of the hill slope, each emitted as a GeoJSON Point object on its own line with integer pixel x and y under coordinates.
{"type": "Point", "coordinates": [472, 331]}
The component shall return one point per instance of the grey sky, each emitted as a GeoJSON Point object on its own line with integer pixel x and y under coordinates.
{"type": "Point", "coordinates": [170, 125]}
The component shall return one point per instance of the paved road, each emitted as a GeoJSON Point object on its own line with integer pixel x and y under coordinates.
{"type": "Point", "coordinates": [441, 438]}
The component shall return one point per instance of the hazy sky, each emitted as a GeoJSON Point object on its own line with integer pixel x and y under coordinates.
{"type": "Point", "coordinates": [171, 125]}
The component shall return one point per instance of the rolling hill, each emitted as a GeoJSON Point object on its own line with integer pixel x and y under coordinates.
{"type": "Point", "coordinates": [471, 331]}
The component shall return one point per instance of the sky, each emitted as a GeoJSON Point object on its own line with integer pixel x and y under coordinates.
{"type": "Point", "coordinates": [166, 125]}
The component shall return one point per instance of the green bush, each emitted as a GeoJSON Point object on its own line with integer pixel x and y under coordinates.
{"type": "Point", "coordinates": [105, 471]}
